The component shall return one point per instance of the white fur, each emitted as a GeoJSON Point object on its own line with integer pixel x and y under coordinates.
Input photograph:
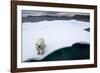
{"type": "Point", "coordinates": [40, 46]}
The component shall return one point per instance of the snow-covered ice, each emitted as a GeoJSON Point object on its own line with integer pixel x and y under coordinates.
{"type": "Point", "coordinates": [57, 34]}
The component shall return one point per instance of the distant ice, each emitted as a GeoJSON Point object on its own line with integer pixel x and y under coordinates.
{"type": "Point", "coordinates": [57, 34]}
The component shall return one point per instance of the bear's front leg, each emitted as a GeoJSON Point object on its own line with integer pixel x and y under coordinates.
{"type": "Point", "coordinates": [42, 52]}
{"type": "Point", "coordinates": [38, 51]}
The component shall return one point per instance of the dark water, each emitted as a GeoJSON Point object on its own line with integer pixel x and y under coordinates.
{"type": "Point", "coordinates": [87, 29]}
{"type": "Point", "coordinates": [76, 52]}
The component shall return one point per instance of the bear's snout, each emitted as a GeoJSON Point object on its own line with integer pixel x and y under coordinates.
{"type": "Point", "coordinates": [39, 46]}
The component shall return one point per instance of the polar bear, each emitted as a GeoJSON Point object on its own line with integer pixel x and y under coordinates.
{"type": "Point", "coordinates": [40, 46]}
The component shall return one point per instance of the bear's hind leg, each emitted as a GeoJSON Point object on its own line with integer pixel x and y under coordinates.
{"type": "Point", "coordinates": [42, 52]}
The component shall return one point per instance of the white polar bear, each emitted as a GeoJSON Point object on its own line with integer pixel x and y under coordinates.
{"type": "Point", "coordinates": [40, 46]}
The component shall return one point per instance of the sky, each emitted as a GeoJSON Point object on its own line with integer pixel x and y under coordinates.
{"type": "Point", "coordinates": [26, 13]}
